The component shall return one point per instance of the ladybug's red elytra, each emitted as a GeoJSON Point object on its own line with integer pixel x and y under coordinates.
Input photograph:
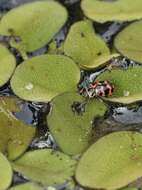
{"type": "Point", "coordinates": [102, 88]}
{"type": "Point", "coordinates": [97, 89]}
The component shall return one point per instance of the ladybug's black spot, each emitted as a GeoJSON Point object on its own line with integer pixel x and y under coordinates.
{"type": "Point", "coordinates": [100, 94]}
{"type": "Point", "coordinates": [107, 91]}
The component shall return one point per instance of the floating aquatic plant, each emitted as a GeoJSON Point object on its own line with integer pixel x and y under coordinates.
{"type": "Point", "coordinates": [33, 25]}
{"type": "Point", "coordinates": [15, 136]}
{"type": "Point", "coordinates": [127, 84]}
{"type": "Point", "coordinates": [5, 172]}
{"type": "Point", "coordinates": [71, 121]}
{"type": "Point", "coordinates": [43, 77]}
{"type": "Point", "coordinates": [27, 186]}
{"type": "Point", "coordinates": [7, 64]}
{"type": "Point", "coordinates": [129, 43]}
{"type": "Point", "coordinates": [86, 48]}
{"type": "Point", "coordinates": [115, 10]}
{"type": "Point", "coordinates": [112, 162]}
{"type": "Point", "coordinates": [47, 166]}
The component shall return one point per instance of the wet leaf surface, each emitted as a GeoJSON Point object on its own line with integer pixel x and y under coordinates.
{"type": "Point", "coordinates": [71, 122]}
{"type": "Point", "coordinates": [45, 24]}
{"type": "Point", "coordinates": [15, 136]}
{"type": "Point", "coordinates": [112, 162]}
{"type": "Point", "coordinates": [127, 84]}
{"type": "Point", "coordinates": [129, 43]}
{"type": "Point", "coordinates": [86, 48]}
{"type": "Point", "coordinates": [7, 64]}
{"type": "Point", "coordinates": [43, 77]}
{"type": "Point", "coordinates": [47, 166]}
{"type": "Point", "coordinates": [5, 172]}
{"type": "Point", "coordinates": [112, 10]}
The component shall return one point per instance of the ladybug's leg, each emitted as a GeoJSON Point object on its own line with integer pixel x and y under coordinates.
{"type": "Point", "coordinates": [81, 91]}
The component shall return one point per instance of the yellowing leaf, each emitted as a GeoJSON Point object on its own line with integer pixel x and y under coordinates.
{"type": "Point", "coordinates": [15, 136]}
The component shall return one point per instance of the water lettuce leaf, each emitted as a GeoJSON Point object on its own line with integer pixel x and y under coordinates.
{"type": "Point", "coordinates": [47, 166]}
{"type": "Point", "coordinates": [43, 77]}
{"type": "Point", "coordinates": [85, 47]}
{"type": "Point", "coordinates": [112, 10]}
{"type": "Point", "coordinates": [129, 42]}
{"type": "Point", "coordinates": [7, 64]}
{"type": "Point", "coordinates": [73, 130]}
{"type": "Point", "coordinates": [112, 162]}
{"type": "Point", "coordinates": [127, 84]}
{"type": "Point", "coordinates": [33, 25]}
{"type": "Point", "coordinates": [15, 136]}
{"type": "Point", "coordinates": [5, 172]}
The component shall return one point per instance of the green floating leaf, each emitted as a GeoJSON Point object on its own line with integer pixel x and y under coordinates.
{"type": "Point", "coordinates": [15, 136]}
{"type": "Point", "coordinates": [33, 25]}
{"type": "Point", "coordinates": [86, 48]}
{"type": "Point", "coordinates": [129, 188]}
{"type": "Point", "coordinates": [8, 64]}
{"type": "Point", "coordinates": [72, 131]}
{"type": "Point", "coordinates": [112, 162]}
{"type": "Point", "coordinates": [46, 166]}
{"type": "Point", "coordinates": [116, 10]}
{"type": "Point", "coordinates": [5, 172]}
{"type": "Point", "coordinates": [127, 84]}
{"type": "Point", "coordinates": [129, 42]}
{"type": "Point", "coordinates": [43, 77]}
{"type": "Point", "coordinates": [27, 186]}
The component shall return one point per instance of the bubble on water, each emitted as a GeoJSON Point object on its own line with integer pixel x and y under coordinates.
{"type": "Point", "coordinates": [29, 86]}
{"type": "Point", "coordinates": [126, 93]}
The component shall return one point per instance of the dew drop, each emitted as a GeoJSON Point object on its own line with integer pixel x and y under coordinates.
{"type": "Point", "coordinates": [126, 93]}
{"type": "Point", "coordinates": [51, 188]}
{"type": "Point", "coordinates": [29, 86]}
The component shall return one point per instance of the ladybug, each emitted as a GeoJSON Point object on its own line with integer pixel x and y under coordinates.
{"type": "Point", "coordinates": [97, 89]}
{"type": "Point", "coordinates": [102, 88]}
